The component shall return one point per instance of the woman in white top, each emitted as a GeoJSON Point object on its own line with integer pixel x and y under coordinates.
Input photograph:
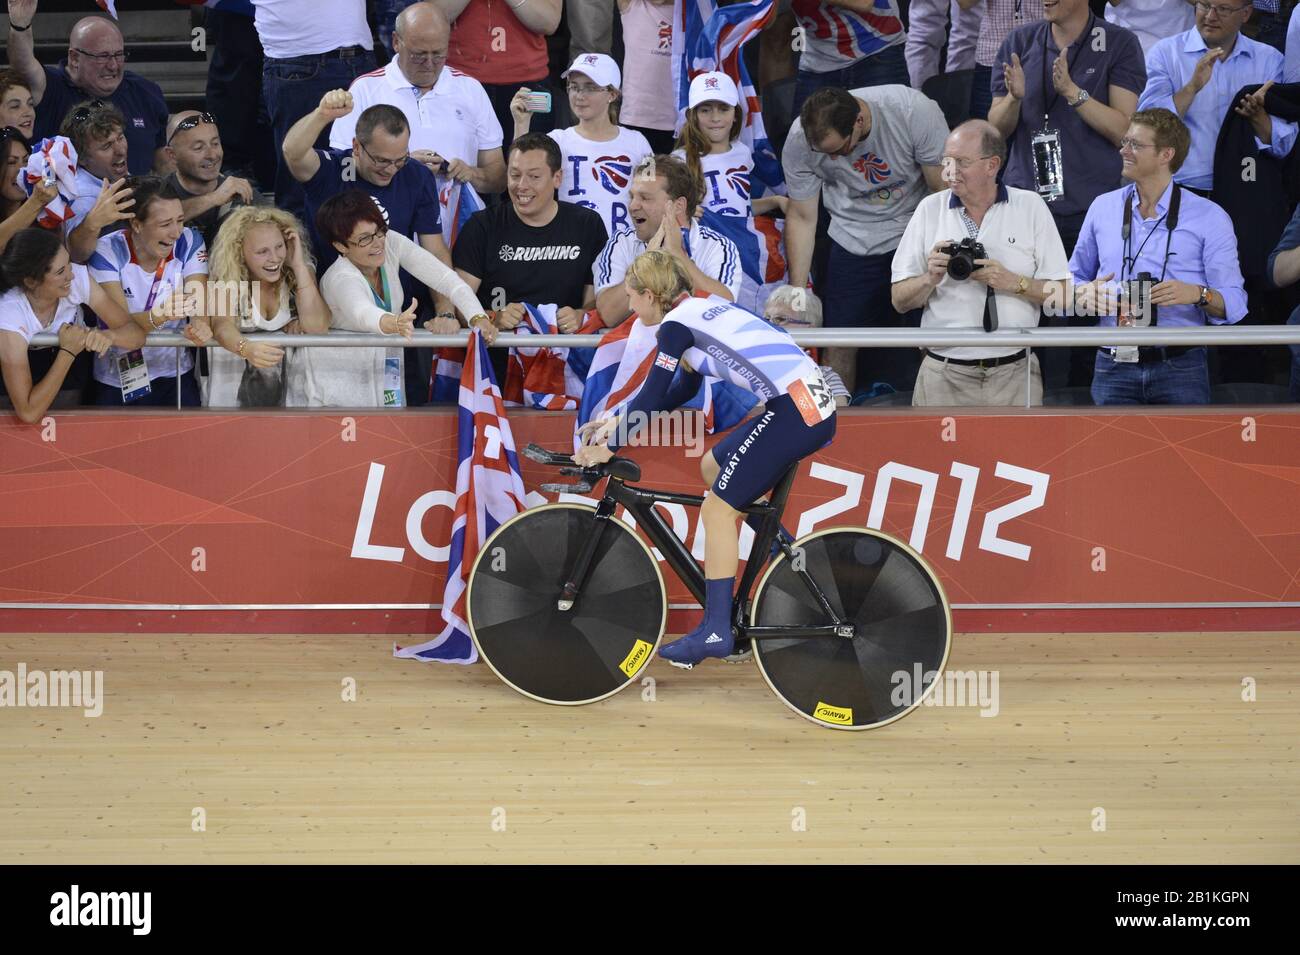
{"type": "Point", "coordinates": [44, 291]}
{"type": "Point", "coordinates": [599, 154]}
{"type": "Point", "coordinates": [262, 279]}
{"type": "Point", "coordinates": [364, 294]}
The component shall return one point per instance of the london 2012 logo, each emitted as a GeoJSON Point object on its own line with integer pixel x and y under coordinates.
{"type": "Point", "coordinates": [875, 169]}
{"type": "Point", "coordinates": [613, 173]}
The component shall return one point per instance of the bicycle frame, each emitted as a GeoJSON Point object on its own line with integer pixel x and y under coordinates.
{"type": "Point", "coordinates": [640, 503]}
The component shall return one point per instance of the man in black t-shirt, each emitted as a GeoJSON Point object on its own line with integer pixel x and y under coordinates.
{"type": "Point", "coordinates": [534, 248]}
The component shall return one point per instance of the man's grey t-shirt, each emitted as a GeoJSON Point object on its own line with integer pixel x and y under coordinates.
{"type": "Point", "coordinates": [871, 193]}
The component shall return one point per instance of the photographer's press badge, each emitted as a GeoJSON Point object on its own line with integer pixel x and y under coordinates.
{"type": "Point", "coordinates": [133, 374]}
{"type": "Point", "coordinates": [1049, 173]}
{"type": "Point", "coordinates": [1124, 319]}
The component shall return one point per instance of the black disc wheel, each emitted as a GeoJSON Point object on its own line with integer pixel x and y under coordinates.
{"type": "Point", "coordinates": [902, 620]}
{"type": "Point", "coordinates": [589, 651]}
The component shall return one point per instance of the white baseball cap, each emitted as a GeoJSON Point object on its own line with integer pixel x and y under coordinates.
{"type": "Point", "coordinates": [708, 87]}
{"type": "Point", "coordinates": [601, 69]}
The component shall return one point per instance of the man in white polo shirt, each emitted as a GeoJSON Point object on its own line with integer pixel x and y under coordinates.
{"type": "Point", "coordinates": [451, 117]}
{"type": "Point", "coordinates": [1023, 262]}
{"type": "Point", "coordinates": [662, 208]}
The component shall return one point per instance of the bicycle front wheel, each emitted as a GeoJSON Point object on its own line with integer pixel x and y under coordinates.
{"type": "Point", "coordinates": [573, 656]}
{"type": "Point", "coordinates": [904, 629]}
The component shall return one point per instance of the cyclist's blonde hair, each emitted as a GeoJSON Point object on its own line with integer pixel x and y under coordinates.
{"type": "Point", "coordinates": [662, 276]}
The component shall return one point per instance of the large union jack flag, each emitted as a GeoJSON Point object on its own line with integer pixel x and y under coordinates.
{"type": "Point", "coordinates": [489, 491]}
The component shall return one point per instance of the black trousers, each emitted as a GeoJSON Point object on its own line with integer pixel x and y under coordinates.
{"type": "Point", "coordinates": [234, 95]}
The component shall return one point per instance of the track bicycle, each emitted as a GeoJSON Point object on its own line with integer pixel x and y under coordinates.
{"type": "Point", "coordinates": [850, 628]}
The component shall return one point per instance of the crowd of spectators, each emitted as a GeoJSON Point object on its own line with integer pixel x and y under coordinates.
{"type": "Point", "coordinates": [945, 163]}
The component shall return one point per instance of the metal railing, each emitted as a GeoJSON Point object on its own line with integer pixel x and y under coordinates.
{"type": "Point", "coordinates": [1033, 337]}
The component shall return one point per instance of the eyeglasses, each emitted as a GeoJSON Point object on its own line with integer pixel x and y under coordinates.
{"type": "Point", "coordinates": [190, 122]}
{"type": "Point", "coordinates": [393, 164]}
{"type": "Point", "coordinates": [368, 239]}
{"type": "Point", "coordinates": [423, 56]}
{"type": "Point", "coordinates": [965, 163]}
{"type": "Point", "coordinates": [121, 56]}
{"type": "Point", "coordinates": [83, 113]}
{"type": "Point", "coordinates": [1134, 145]}
{"type": "Point", "coordinates": [1221, 10]}
{"type": "Point", "coordinates": [584, 90]}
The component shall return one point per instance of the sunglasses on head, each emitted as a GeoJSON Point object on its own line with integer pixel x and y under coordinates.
{"type": "Point", "coordinates": [83, 113]}
{"type": "Point", "coordinates": [189, 122]}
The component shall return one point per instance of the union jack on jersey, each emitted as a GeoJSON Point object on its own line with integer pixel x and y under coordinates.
{"type": "Point", "coordinates": [619, 368]}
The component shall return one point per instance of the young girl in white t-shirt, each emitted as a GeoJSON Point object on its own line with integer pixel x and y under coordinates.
{"type": "Point", "coordinates": [599, 154]}
{"type": "Point", "coordinates": [710, 144]}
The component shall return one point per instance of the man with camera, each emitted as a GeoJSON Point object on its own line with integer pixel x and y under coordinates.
{"type": "Point", "coordinates": [1174, 256]}
{"type": "Point", "coordinates": [978, 254]}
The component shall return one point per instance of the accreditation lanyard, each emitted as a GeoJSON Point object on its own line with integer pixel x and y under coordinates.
{"type": "Point", "coordinates": [1048, 103]}
{"type": "Point", "coordinates": [392, 365]}
{"type": "Point", "coordinates": [383, 301]}
{"type": "Point", "coordinates": [132, 369]}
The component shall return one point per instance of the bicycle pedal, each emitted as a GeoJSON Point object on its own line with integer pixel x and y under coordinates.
{"type": "Point", "coordinates": [683, 666]}
{"type": "Point", "coordinates": [740, 656]}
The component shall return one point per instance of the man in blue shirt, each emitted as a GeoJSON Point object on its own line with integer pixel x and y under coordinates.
{"type": "Point", "coordinates": [1291, 67]}
{"type": "Point", "coordinates": [406, 192]}
{"type": "Point", "coordinates": [1189, 250]}
{"type": "Point", "coordinates": [1284, 271]}
{"type": "Point", "coordinates": [94, 70]}
{"type": "Point", "coordinates": [378, 162]}
{"type": "Point", "coordinates": [1196, 74]}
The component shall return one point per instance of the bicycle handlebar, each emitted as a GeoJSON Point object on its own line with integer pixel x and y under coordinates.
{"type": "Point", "coordinates": [622, 468]}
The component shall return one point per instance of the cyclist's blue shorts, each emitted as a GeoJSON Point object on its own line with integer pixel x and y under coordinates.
{"type": "Point", "coordinates": [761, 449]}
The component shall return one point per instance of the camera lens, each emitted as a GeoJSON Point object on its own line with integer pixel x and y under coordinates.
{"type": "Point", "coordinates": [960, 266]}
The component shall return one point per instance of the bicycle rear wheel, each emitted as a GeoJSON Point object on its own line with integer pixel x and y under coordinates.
{"type": "Point", "coordinates": [904, 629]}
{"type": "Point", "coordinates": [573, 656]}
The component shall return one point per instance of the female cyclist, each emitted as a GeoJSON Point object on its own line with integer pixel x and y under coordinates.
{"type": "Point", "coordinates": [711, 336]}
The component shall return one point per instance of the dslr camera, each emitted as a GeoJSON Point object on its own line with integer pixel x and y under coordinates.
{"type": "Point", "coordinates": [962, 257]}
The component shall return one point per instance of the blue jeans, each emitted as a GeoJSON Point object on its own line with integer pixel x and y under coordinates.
{"type": "Point", "coordinates": [1184, 380]}
{"type": "Point", "coordinates": [386, 12]}
{"type": "Point", "coordinates": [292, 88]}
{"type": "Point", "coordinates": [879, 69]}
{"type": "Point", "coordinates": [855, 294]}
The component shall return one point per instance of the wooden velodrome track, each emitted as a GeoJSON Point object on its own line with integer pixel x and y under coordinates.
{"type": "Point", "coordinates": [445, 764]}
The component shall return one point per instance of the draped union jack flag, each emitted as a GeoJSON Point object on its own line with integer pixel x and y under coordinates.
{"type": "Point", "coordinates": [489, 491]}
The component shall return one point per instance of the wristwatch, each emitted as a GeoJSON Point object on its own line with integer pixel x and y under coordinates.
{"type": "Point", "coordinates": [1079, 100]}
{"type": "Point", "coordinates": [1022, 286]}
{"type": "Point", "coordinates": [1206, 294]}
